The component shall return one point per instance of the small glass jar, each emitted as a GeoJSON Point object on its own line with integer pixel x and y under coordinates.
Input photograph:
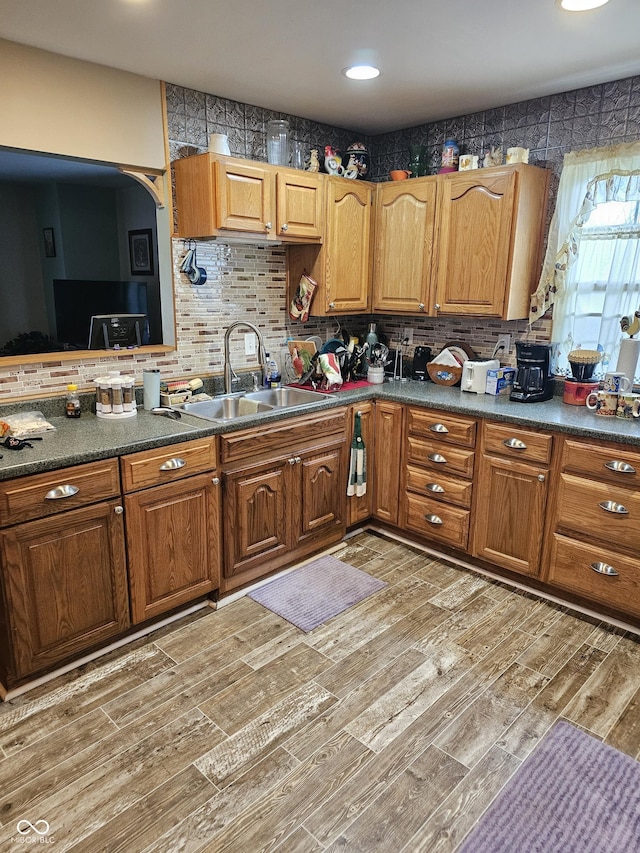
{"type": "Point", "coordinates": [278, 142]}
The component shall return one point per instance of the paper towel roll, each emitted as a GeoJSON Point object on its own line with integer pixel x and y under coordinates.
{"type": "Point", "coordinates": [151, 388]}
{"type": "Point", "coordinates": [628, 357]}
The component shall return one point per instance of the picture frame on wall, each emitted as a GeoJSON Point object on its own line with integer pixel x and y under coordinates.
{"type": "Point", "coordinates": [141, 251]}
{"type": "Point", "coordinates": [49, 242]}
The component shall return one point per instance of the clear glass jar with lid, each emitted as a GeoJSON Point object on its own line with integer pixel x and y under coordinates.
{"type": "Point", "coordinates": [278, 142]}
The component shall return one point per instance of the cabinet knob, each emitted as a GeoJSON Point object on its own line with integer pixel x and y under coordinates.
{"type": "Point", "coordinates": [541, 478]}
{"type": "Point", "coordinates": [285, 227]}
{"type": "Point", "coordinates": [118, 510]}
{"type": "Point", "coordinates": [173, 464]}
{"type": "Point", "coordinates": [437, 306]}
{"type": "Point", "coordinates": [332, 305]}
{"type": "Point", "coordinates": [66, 491]}
{"type": "Point", "coordinates": [421, 306]}
{"type": "Point", "coordinates": [438, 428]}
{"type": "Point", "coordinates": [298, 460]}
{"type": "Point", "coordinates": [614, 507]}
{"type": "Point", "coordinates": [291, 460]}
{"type": "Point", "coordinates": [604, 569]}
{"type": "Point", "coordinates": [433, 519]}
{"type": "Point", "coordinates": [216, 481]}
{"type": "Point", "coordinates": [620, 467]}
{"type": "Point", "coordinates": [514, 444]}
{"type": "Point", "coordinates": [436, 488]}
{"type": "Point", "coordinates": [437, 457]}
{"type": "Point", "coordinates": [267, 226]}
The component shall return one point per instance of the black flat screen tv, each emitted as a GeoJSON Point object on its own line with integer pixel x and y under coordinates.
{"type": "Point", "coordinates": [76, 301]}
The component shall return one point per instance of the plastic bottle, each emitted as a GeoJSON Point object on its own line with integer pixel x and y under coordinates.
{"type": "Point", "coordinates": [275, 378]}
{"type": "Point", "coordinates": [372, 340]}
{"type": "Point", "coordinates": [72, 405]}
{"type": "Point", "coordinates": [265, 369]}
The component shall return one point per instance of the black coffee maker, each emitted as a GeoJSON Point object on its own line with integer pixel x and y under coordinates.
{"type": "Point", "coordinates": [533, 382]}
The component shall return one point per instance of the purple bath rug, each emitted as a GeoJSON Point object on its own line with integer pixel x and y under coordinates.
{"type": "Point", "coordinates": [573, 794]}
{"type": "Point", "coordinates": [313, 594]}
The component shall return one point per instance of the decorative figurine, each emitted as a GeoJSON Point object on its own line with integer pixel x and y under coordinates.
{"type": "Point", "coordinates": [493, 157]}
{"type": "Point", "coordinates": [333, 161]}
{"type": "Point", "coordinates": [314, 162]}
{"type": "Point", "coordinates": [352, 170]}
{"type": "Point", "coordinates": [362, 160]}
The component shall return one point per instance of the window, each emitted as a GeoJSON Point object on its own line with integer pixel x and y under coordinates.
{"type": "Point", "coordinates": [591, 274]}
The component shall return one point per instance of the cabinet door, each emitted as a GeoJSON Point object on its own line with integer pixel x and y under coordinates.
{"type": "Point", "coordinates": [320, 504]}
{"type": "Point", "coordinates": [257, 523]}
{"type": "Point", "coordinates": [66, 584]}
{"type": "Point", "coordinates": [347, 243]}
{"type": "Point", "coordinates": [299, 205]}
{"type": "Point", "coordinates": [173, 539]}
{"type": "Point", "coordinates": [474, 242]}
{"type": "Point", "coordinates": [510, 506]}
{"type": "Point", "coordinates": [387, 461]}
{"type": "Point", "coordinates": [244, 197]}
{"type": "Point", "coordinates": [360, 508]}
{"type": "Point", "coordinates": [405, 219]}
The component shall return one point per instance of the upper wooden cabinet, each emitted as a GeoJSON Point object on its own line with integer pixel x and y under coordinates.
{"type": "Point", "coordinates": [405, 224]}
{"type": "Point", "coordinates": [218, 196]}
{"type": "Point", "coordinates": [489, 236]}
{"type": "Point", "coordinates": [341, 266]}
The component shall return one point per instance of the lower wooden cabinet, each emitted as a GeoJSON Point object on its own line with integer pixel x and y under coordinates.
{"type": "Point", "coordinates": [65, 583]}
{"type": "Point", "coordinates": [173, 524]}
{"type": "Point", "coordinates": [173, 540]}
{"type": "Point", "coordinates": [389, 420]}
{"type": "Point", "coordinates": [359, 509]}
{"type": "Point", "coordinates": [510, 506]}
{"type": "Point", "coordinates": [512, 483]}
{"type": "Point", "coordinates": [280, 510]}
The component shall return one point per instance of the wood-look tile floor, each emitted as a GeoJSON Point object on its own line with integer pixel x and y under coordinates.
{"type": "Point", "coordinates": [391, 728]}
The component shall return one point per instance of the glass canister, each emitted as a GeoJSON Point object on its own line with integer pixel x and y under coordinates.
{"type": "Point", "coordinates": [278, 142]}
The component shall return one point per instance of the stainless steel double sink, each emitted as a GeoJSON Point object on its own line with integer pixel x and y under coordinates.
{"type": "Point", "coordinates": [231, 407]}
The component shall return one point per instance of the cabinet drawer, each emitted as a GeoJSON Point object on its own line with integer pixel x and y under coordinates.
{"type": "Point", "coordinates": [435, 456]}
{"type": "Point", "coordinates": [579, 509]}
{"type": "Point", "coordinates": [572, 569]}
{"type": "Point", "coordinates": [41, 495]}
{"type": "Point", "coordinates": [454, 429]}
{"type": "Point", "coordinates": [284, 436]}
{"type": "Point", "coordinates": [516, 443]}
{"type": "Point", "coordinates": [613, 464]}
{"type": "Point", "coordinates": [434, 520]}
{"type": "Point", "coordinates": [165, 464]}
{"type": "Point", "coordinates": [438, 486]}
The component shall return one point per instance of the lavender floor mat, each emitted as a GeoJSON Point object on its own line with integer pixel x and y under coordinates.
{"type": "Point", "coordinates": [573, 794]}
{"type": "Point", "coordinates": [315, 593]}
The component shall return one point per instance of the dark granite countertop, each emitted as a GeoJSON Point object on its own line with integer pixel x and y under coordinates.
{"type": "Point", "coordinates": [90, 438]}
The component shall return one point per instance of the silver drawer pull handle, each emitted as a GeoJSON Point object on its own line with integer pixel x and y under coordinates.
{"type": "Point", "coordinates": [436, 457]}
{"type": "Point", "coordinates": [612, 506]}
{"type": "Point", "coordinates": [173, 464]}
{"type": "Point", "coordinates": [433, 519]}
{"type": "Point", "coordinates": [604, 569]}
{"type": "Point", "coordinates": [438, 428]}
{"type": "Point", "coordinates": [434, 487]}
{"type": "Point", "coordinates": [514, 444]}
{"type": "Point", "coordinates": [66, 491]}
{"type": "Point", "coordinates": [620, 467]}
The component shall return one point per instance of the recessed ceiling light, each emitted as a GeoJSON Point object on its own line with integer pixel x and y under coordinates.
{"type": "Point", "coordinates": [361, 72]}
{"type": "Point", "coordinates": [581, 5]}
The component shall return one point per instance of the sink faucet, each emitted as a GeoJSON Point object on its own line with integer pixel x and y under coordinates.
{"type": "Point", "coordinates": [228, 371]}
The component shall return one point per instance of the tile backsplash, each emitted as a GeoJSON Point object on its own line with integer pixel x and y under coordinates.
{"type": "Point", "coordinates": [249, 281]}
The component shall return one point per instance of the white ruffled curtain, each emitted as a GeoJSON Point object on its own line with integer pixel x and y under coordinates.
{"type": "Point", "coordinates": [591, 281]}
